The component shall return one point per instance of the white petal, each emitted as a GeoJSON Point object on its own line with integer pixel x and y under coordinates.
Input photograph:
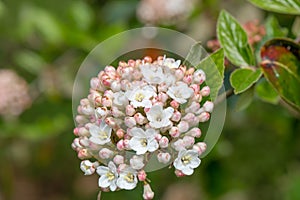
{"type": "Point", "coordinates": [102, 170]}
{"type": "Point", "coordinates": [137, 132]}
{"type": "Point", "coordinates": [103, 181]}
{"type": "Point", "coordinates": [94, 130]}
{"type": "Point", "coordinates": [195, 162]}
{"type": "Point", "coordinates": [187, 171]}
{"type": "Point", "coordinates": [113, 186]}
{"type": "Point", "coordinates": [152, 145]}
{"type": "Point", "coordinates": [168, 112]}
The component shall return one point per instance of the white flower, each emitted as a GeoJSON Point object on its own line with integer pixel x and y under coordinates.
{"type": "Point", "coordinates": [100, 134]}
{"type": "Point", "coordinates": [171, 63]}
{"type": "Point", "coordinates": [186, 161]}
{"type": "Point", "coordinates": [127, 179]}
{"type": "Point", "coordinates": [140, 97]}
{"type": "Point", "coordinates": [153, 74]}
{"type": "Point", "coordinates": [136, 162]}
{"type": "Point", "coordinates": [88, 167]}
{"type": "Point", "coordinates": [158, 117]}
{"type": "Point", "coordinates": [143, 141]}
{"type": "Point", "coordinates": [108, 176]}
{"type": "Point", "coordinates": [180, 92]}
{"type": "Point", "coordinates": [120, 99]}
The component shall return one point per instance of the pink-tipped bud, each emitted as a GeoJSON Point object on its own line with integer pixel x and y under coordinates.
{"type": "Point", "coordinates": [106, 101]}
{"type": "Point", "coordinates": [162, 97]}
{"type": "Point", "coordinates": [189, 118]}
{"type": "Point", "coordinates": [208, 106]}
{"type": "Point", "coordinates": [126, 144]}
{"type": "Point", "coordinates": [110, 121]}
{"type": "Point", "coordinates": [174, 132]}
{"type": "Point", "coordinates": [158, 136]}
{"type": "Point", "coordinates": [84, 141]}
{"type": "Point", "coordinates": [82, 131]}
{"type": "Point", "coordinates": [205, 91]}
{"type": "Point", "coordinates": [80, 119]}
{"type": "Point", "coordinates": [142, 175]}
{"type": "Point", "coordinates": [188, 141]}
{"type": "Point", "coordinates": [194, 132]}
{"type": "Point", "coordinates": [193, 107]}
{"type": "Point", "coordinates": [188, 79]}
{"type": "Point", "coordinates": [105, 153]}
{"type": "Point", "coordinates": [176, 116]}
{"type": "Point", "coordinates": [76, 145]}
{"type": "Point", "coordinates": [116, 112]}
{"type": "Point", "coordinates": [164, 158]}
{"type": "Point", "coordinates": [178, 145]}
{"type": "Point", "coordinates": [147, 59]}
{"type": "Point", "coordinates": [164, 142]}
{"type": "Point", "coordinates": [83, 154]}
{"type": "Point", "coordinates": [148, 193]}
{"type": "Point", "coordinates": [203, 117]}
{"type": "Point", "coordinates": [195, 87]}
{"type": "Point", "coordinates": [130, 110]}
{"type": "Point", "coordinates": [140, 119]}
{"type": "Point", "coordinates": [174, 104]}
{"type": "Point", "coordinates": [183, 126]}
{"type": "Point", "coordinates": [130, 122]}
{"type": "Point", "coordinates": [95, 83]}
{"type": "Point", "coordinates": [200, 147]}
{"type": "Point", "coordinates": [120, 145]}
{"type": "Point", "coordinates": [121, 167]}
{"type": "Point", "coordinates": [179, 73]}
{"type": "Point", "coordinates": [118, 159]}
{"type": "Point", "coordinates": [179, 173]}
{"type": "Point", "coordinates": [120, 133]}
{"type": "Point", "coordinates": [102, 112]}
{"type": "Point", "coordinates": [75, 131]}
{"type": "Point", "coordinates": [199, 77]}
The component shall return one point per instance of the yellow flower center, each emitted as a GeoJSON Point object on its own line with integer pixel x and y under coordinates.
{"type": "Point", "coordinates": [186, 159]}
{"type": "Point", "coordinates": [110, 176]}
{"type": "Point", "coordinates": [129, 178]}
{"type": "Point", "coordinates": [102, 135]}
{"type": "Point", "coordinates": [144, 142]}
{"type": "Point", "coordinates": [139, 97]}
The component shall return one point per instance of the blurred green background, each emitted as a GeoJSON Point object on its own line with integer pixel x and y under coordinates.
{"type": "Point", "coordinates": [44, 43]}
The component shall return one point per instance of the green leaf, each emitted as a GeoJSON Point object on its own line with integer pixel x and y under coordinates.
{"type": "Point", "coordinates": [233, 39]}
{"type": "Point", "coordinates": [194, 56]}
{"type": "Point", "coordinates": [244, 100]}
{"type": "Point", "coordinates": [243, 79]}
{"type": "Point", "coordinates": [280, 6]}
{"type": "Point", "coordinates": [30, 61]}
{"type": "Point", "coordinates": [81, 14]}
{"type": "Point", "coordinates": [284, 51]}
{"type": "Point", "coordinates": [285, 82]}
{"type": "Point", "coordinates": [213, 66]}
{"type": "Point", "coordinates": [273, 28]}
{"type": "Point", "coordinates": [266, 92]}
{"type": "Point", "coordinates": [296, 27]}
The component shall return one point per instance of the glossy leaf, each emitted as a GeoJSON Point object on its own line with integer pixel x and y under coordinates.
{"type": "Point", "coordinates": [233, 39]}
{"type": "Point", "coordinates": [213, 66]}
{"type": "Point", "coordinates": [194, 56]}
{"type": "Point", "coordinates": [296, 27]}
{"type": "Point", "coordinates": [273, 28]}
{"type": "Point", "coordinates": [284, 51]}
{"type": "Point", "coordinates": [266, 92]}
{"type": "Point", "coordinates": [243, 79]}
{"type": "Point", "coordinates": [280, 6]}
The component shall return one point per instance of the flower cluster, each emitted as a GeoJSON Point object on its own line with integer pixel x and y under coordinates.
{"type": "Point", "coordinates": [164, 12]}
{"type": "Point", "coordinates": [14, 94]}
{"type": "Point", "coordinates": [141, 110]}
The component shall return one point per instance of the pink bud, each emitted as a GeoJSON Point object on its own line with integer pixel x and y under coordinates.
{"type": "Point", "coordinates": [174, 132]}
{"type": "Point", "coordinates": [203, 117]}
{"type": "Point", "coordinates": [158, 136]}
{"type": "Point", "coordinates": [120, 145]}
{"type": "Point", "coordinates": [164, 158]}
{"type": "Point", "coordinates": [102, 112]}
{"type": "Point", "coordinates": [176, 116]}
{"type": "Point", "coordinates": [140, 119]}
{"type": "Point", "coordinates": [95, 83]}
{"type": "Point", "coordinates": [76, 145]}
{"type": "Point", "coordinates": [188, 141]}
{"type": "Point", "coordinates": [205, 91]}
{"type": "Point", "coordinates": [120, 133]}
{"type": "Point", "coordinates": [80, 119]}
{"type": "Point", "coordinates": [105, 153]}
{"type": "Point", "coordinates": [183, 126]}
{"type": "Point", "coordinates": [130, 122]}
{"type": "Point", "coordinates": [121, 167]}
{"type": "Point", "coordinates": [162, 97]}
{"type": "Point", "coordinates": [130, 110]}
{"type": "Point", "coordinates": [179, 173]}
{"type": "Point", "coordinates": [199, 76]}
{"type": "Point", "coordinates": [195, 87]}
{"type": "Point", "coordinates": [116, 112]}
{"type": "Point", "coordinates": [193, 107]}
{"type": "Point", "coordinates": [75, 131]}
{"type": "Point", "coordinates": [194, 132]}
{"type": "Point", "coordinates": [115, 86]}
{"type": "Point", "coordinates": [188, 79]}
{"type": "Point", "coordinates": [142, 175]}
{"type": "Point", "coordinates": [83, 154]}
{"type": "Point", "coordinates": [84, 141]}
{"type": "Point", "coordinates": [179, 73]}
{"type": "Point", "coordinates": [148, 193]}
{"type": "Point", "coordinates": [106, 101]}
{"type": "Point", "coordinates": [200, 147]}
{"type": "Point", "coordinates": [126, 144]}
{"type": "Point", "coordinates": [208, 106]}
{"type": "Point", "coordinates": [82, 131]}
{"type": "Point", "coordinates": [110, 121]}
{"type": "Point", "coordinates": [164, 142]}
{"type": "Point", "coordinates": [178, 145]}
{"type": "Point", "coordinates": [189, 117]}
{"type": "Point", "coordinates": [147, 59]}
{"type": "Point", "coordinates": [118, 159]}
{"type": "Point", "coordinates": [174, 104]}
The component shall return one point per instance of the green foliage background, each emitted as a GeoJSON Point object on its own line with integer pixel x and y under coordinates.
{"type": "Point", "coordinates": [257, 156]}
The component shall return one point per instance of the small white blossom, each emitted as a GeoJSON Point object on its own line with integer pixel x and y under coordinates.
{"type": "Point", "coordinates": [171, 63]}
{"type": "Point", "coordinates": [140, 97]}
{"type": "Point", "coordinates": [100, 134]}
{"type": "Point", "coordinates": [180, 92]}
{"type": "Point", "coordinates": [186, 161]}
{"type": "Point", "coordinates": [108, 176]}
{"type": "Point", "coordinates": [143, 141]}
{"type": "Point", "coordinates": [159, 117]}
{"type": "Point", "coordinates": [148, 193]}
{"type": "Point", "coordinates": [120, 99]}
{"type": "Point", "coordinates": [127, 179]}
{"type": "Point", "coordinates": [136, 162]}
{"type": "Point", "coordinates": [152, 74]}
{"type": "Point", "coordinates": [88, 167]}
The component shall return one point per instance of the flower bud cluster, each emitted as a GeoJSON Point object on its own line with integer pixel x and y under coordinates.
{"type": "Point", "coordinates": [139, 109]}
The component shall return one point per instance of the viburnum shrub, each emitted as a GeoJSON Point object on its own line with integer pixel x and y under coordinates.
{"type": "Point", "coordinates": [138, 111]}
